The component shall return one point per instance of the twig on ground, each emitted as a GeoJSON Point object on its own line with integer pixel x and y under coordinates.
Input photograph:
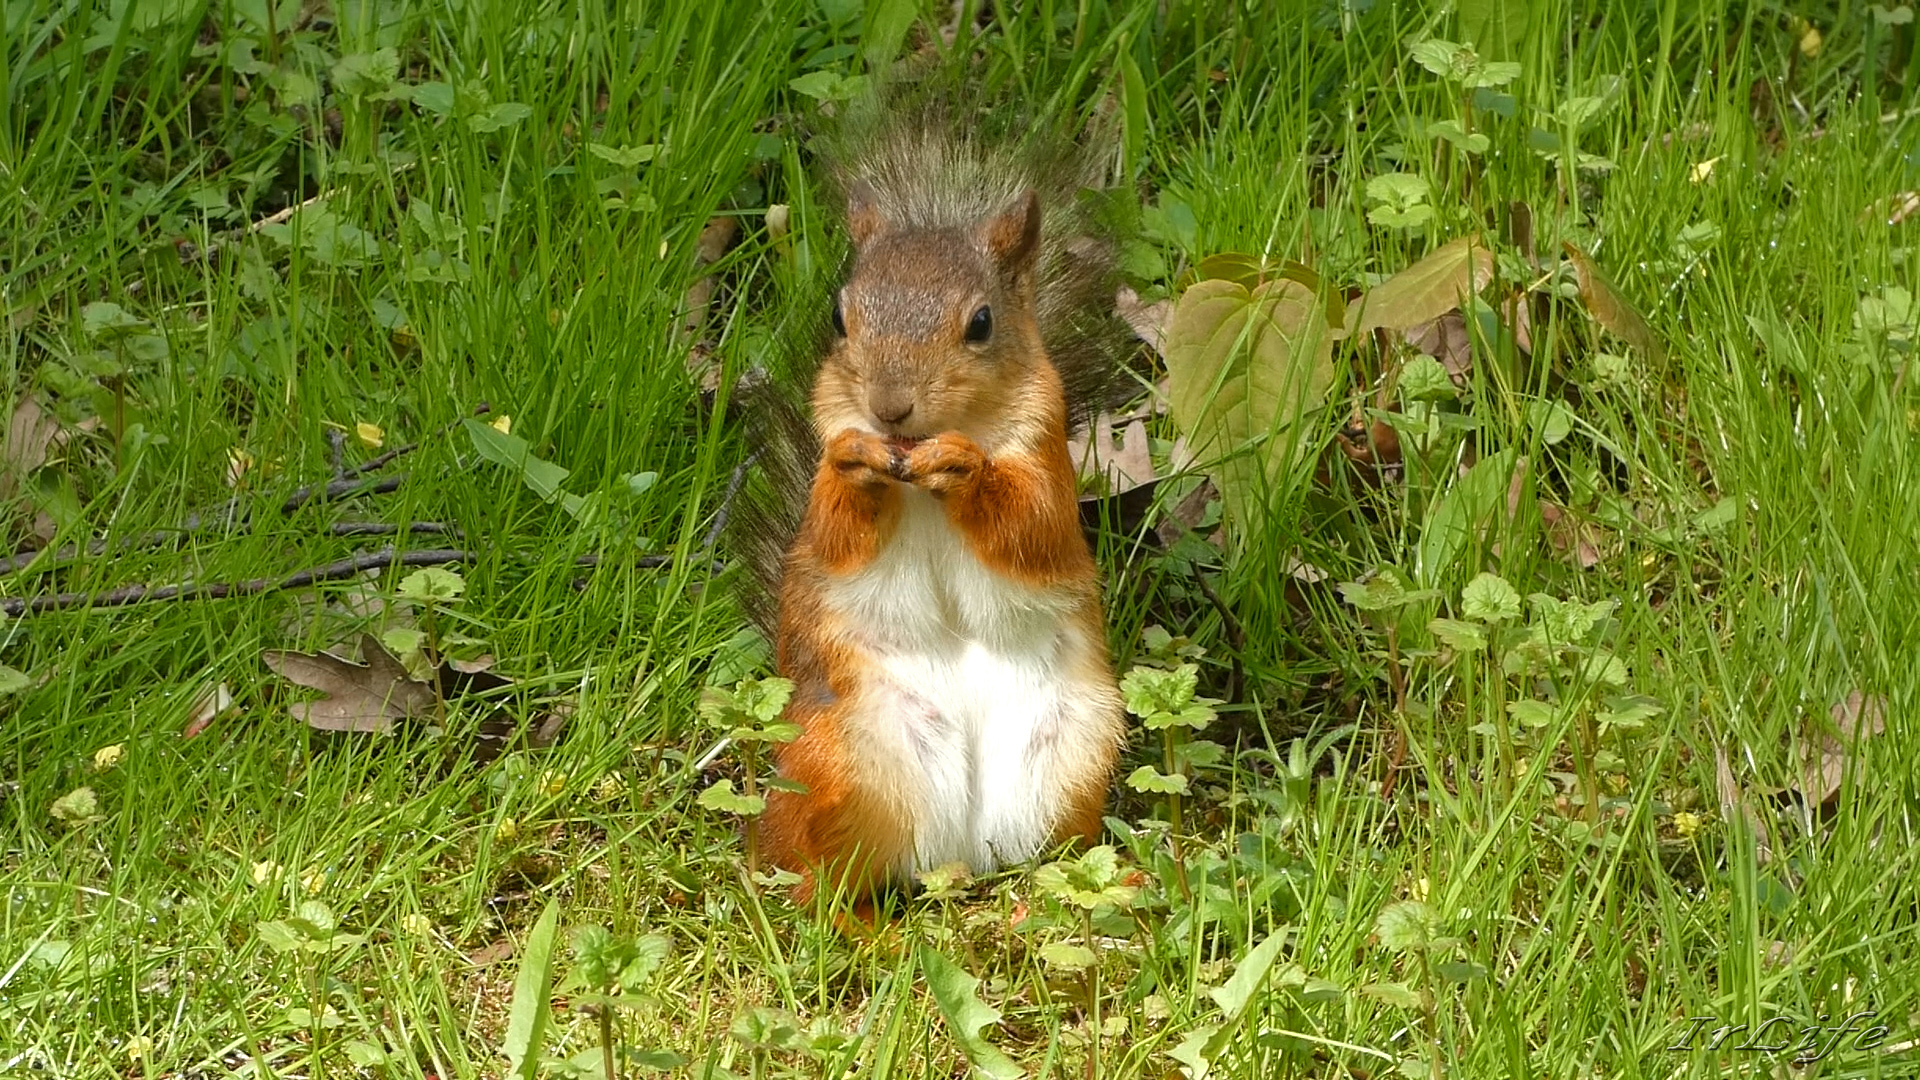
{"type": "Point", "coordinates": [734, 484]}
{"type": "Point", "coordinates": [234, 515]}
{"type": "Point", "coordinates": [129, 595]}
{"type": "Point", "coordinates": [1236, 633]}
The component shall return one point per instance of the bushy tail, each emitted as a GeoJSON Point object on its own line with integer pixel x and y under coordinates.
{"type": "Point", "coordinates": [933, 158]}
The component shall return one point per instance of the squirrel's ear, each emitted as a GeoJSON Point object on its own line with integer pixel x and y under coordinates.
{"type": "Point", "coordinates": [863, 215]}
{"type": "Point", "coordinates": [1013, 235]}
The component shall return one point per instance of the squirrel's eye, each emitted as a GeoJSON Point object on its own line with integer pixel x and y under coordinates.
{"type": "Point", "coordinates": [839, 319]}
{"type": "Point", "coordinates": [980, 327]}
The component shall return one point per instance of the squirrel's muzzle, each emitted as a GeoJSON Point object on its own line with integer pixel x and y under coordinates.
{"type": "Point", "coordinates": [890, 403]}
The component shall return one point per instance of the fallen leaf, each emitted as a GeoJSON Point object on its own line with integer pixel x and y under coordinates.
{"type": "Point", "coordinates": [1426, 290]}
{"type": "Point", "coordinates": [1823, 759]}
{"type": "Point", "coordinates": [1610, 309]}
{"type": "Point", "coordinates": [713, 242]}
{"type": "Point", "coordinates": [1120, 466]}
{"type": "Point", "coordinates": [1187, 514]}
{"type": "Point", "coordinates": [371, 436]}
{"type": "Point", "coordinates": [365, 697]}
{"type": "Point", "coordinates": [32, 434]}
{"type": "Point", "coordinates": [488, 955]}
{"type": "Point", "coordinates": [207, 706]}
{"type": "Point", "coordinates": [1702, 171]}
{"type": "Point", "coordinates": [1894, 209]}
{"type": "Point", "coordinates": [1148, 321]}
{"type": "Point", "coordinates": [1733, 803]}
{"type": "Point", "coordinates": [1446, 340]}
{"type": "Point", "coordinates": [1572, 536]}
{"type": "Point", "coordinates": [238, 464]}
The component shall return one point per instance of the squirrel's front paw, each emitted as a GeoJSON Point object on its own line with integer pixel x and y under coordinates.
{"type": "Point", "coordinates": [864, 459]}
{"type": "Point", "coordinates": [945, 462]}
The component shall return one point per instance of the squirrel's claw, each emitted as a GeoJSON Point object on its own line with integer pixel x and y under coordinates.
{"type": "Point", "coordinates": [864, 459]}
{"type": "Point", "coordinates": [944, 462]}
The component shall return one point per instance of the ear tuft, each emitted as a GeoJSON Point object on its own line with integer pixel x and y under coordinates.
{"type": "Point", "coordinates": [863, 213]}
{"type": "Point", "coordinates": [1012, 237]}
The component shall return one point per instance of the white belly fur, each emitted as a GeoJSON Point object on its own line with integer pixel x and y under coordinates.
{"type": "Point", "coordinates": [973, 718]}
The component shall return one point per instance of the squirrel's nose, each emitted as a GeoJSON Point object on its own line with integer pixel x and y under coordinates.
{"type": "Point", "coordinates": [890, 404]}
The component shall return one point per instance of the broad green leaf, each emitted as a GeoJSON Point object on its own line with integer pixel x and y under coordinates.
{"type": "Point", "coordinates": [1399, 189]}
{"type": "Point", "coordinates": [1436, 55]}
{"type": "Point", "coordinates": [1489, 598]}
{"type": "Point", "coordinates": [512, 451]}
{"type": "Point", "coordinates": [1386, 590]}
{"type": "Point", "coordinates": [1068, 956]}
{"type": "Point", "coordinates": [319, 915]}
{"type": "Point", "coordinates": [1243, 367]}
{"type": "Point", "coordinates": [494, 117]}
{"type": "Point", "coordinates": [626, 157]}
{"type": "Point", "coordinates": [721, 796]}
{"type": "Point", "coordinates": [1465, 513]}
{"type": "Point", "coordinates": [1192, 1052]}
{"type": "Point", "coordinates": [432, 584]}
{"type": "Point", "coordinates": [1425, 379]}
{"type": "Point", "coordinates": [1237, 993]}
{"type": "Point", "coordinates": [12, 680]}
{"type": "Point", "coordinates": [105, 317]}
{"type": "Point", "coordinates": [957, 995]}
{"type": "Point", "coordinates": [1147, 779]}
{"type": "Point", "coordinates": [1531, 713]}
{"type": "Point", "coordinates": [1399, 995]}
{"type": "Point", "coordinates": [1235, 999]}
{"type": "Point", "coordinates": [358, 74]}
{"type": "Point", "coordinates": [1609, 308]}
{"type": "Point", "coordinates": [531, 1009]}
{"type": "Point", "coordinates": [1459, 636]}
{"type": "Point", "coordinates": [1569, 622]}
{"type": "Point", "coordinates": [1428, 289]}
{"type": "Point", "coordinates": [1199, 753]}
{"type": "Point", "coordinates": [281, 936]}
{"type": "Point", "coordinates": [1552, 419]}
{"type": "Point", "coordinates": [887, 24]}
{"type": "Point", "coordinates": [1405, 925]}
{"type": "Point", "coordinates": [1472, 142]}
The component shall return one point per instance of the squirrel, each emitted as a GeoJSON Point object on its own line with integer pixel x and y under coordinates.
{"type": "Point", "coordinates": [939, 607]}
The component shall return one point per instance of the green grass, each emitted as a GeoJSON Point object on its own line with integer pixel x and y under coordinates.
{"type": "Point", "coordinates": [1751, 496]}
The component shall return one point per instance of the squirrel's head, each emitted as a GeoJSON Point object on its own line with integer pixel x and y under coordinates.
{"type": "Point", "coordinates": [934, 329]}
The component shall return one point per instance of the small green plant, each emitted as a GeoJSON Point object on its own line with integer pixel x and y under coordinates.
{"type": "Point", "coordinates": [1168, 702]}
{"type": "Point", "coordinates": [312, 933]}
{"type": "Point", "coordinates": [613, 972]}
{"type": "Point", "coordinates": [748, 715]}
{"type": "Point", "coordinates": [1092, 887]}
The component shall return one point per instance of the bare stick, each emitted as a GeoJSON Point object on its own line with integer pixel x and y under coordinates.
{"type": "Point", "coordinates": [734, 483]}
{"type": "Point", "coordinates": [149, 594]}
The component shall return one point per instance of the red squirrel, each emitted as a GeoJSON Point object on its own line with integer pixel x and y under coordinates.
{"type": "Point", "coordinates": [940, 610]}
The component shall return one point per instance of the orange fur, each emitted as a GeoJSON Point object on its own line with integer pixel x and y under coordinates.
{"type": "Point", "coordinates": [985, 434]}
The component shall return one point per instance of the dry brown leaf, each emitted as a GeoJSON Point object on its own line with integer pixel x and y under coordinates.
{"type": "Point", "coordinates": [207, 706]}
{"type": "Point", "coordinates": [32, 435]}
{"type": "Point", "coordinates": [365, 697]}
{"type": "Point", "coordinates": [714, 241]}
{"type": "Point", "coordinates": [1823, 769]}
{"type": "Point", "coordinates": [1187, 514]}
{"type": "Point", "coordinates": [1894, 209]}
{"type": "Point", "coordinates": [1120, 466]}
{"type": "Point", "coordinates": [1446, 340]}
{"type": "Point", "coordinates": [1733, 803]}
{"type": "Point", "coordinates": [1571, 535]}
{"type": "Point", "coordinates": [1436, 284]}
{"type": "Point", "coordinates": [1517, 312]}
{"type": "Point", "coordinates": [1609, 308]}
{"type": "Point", "coordinates": [497, 953]}
{"type": "Point", "coordinates": [1149, 321]}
